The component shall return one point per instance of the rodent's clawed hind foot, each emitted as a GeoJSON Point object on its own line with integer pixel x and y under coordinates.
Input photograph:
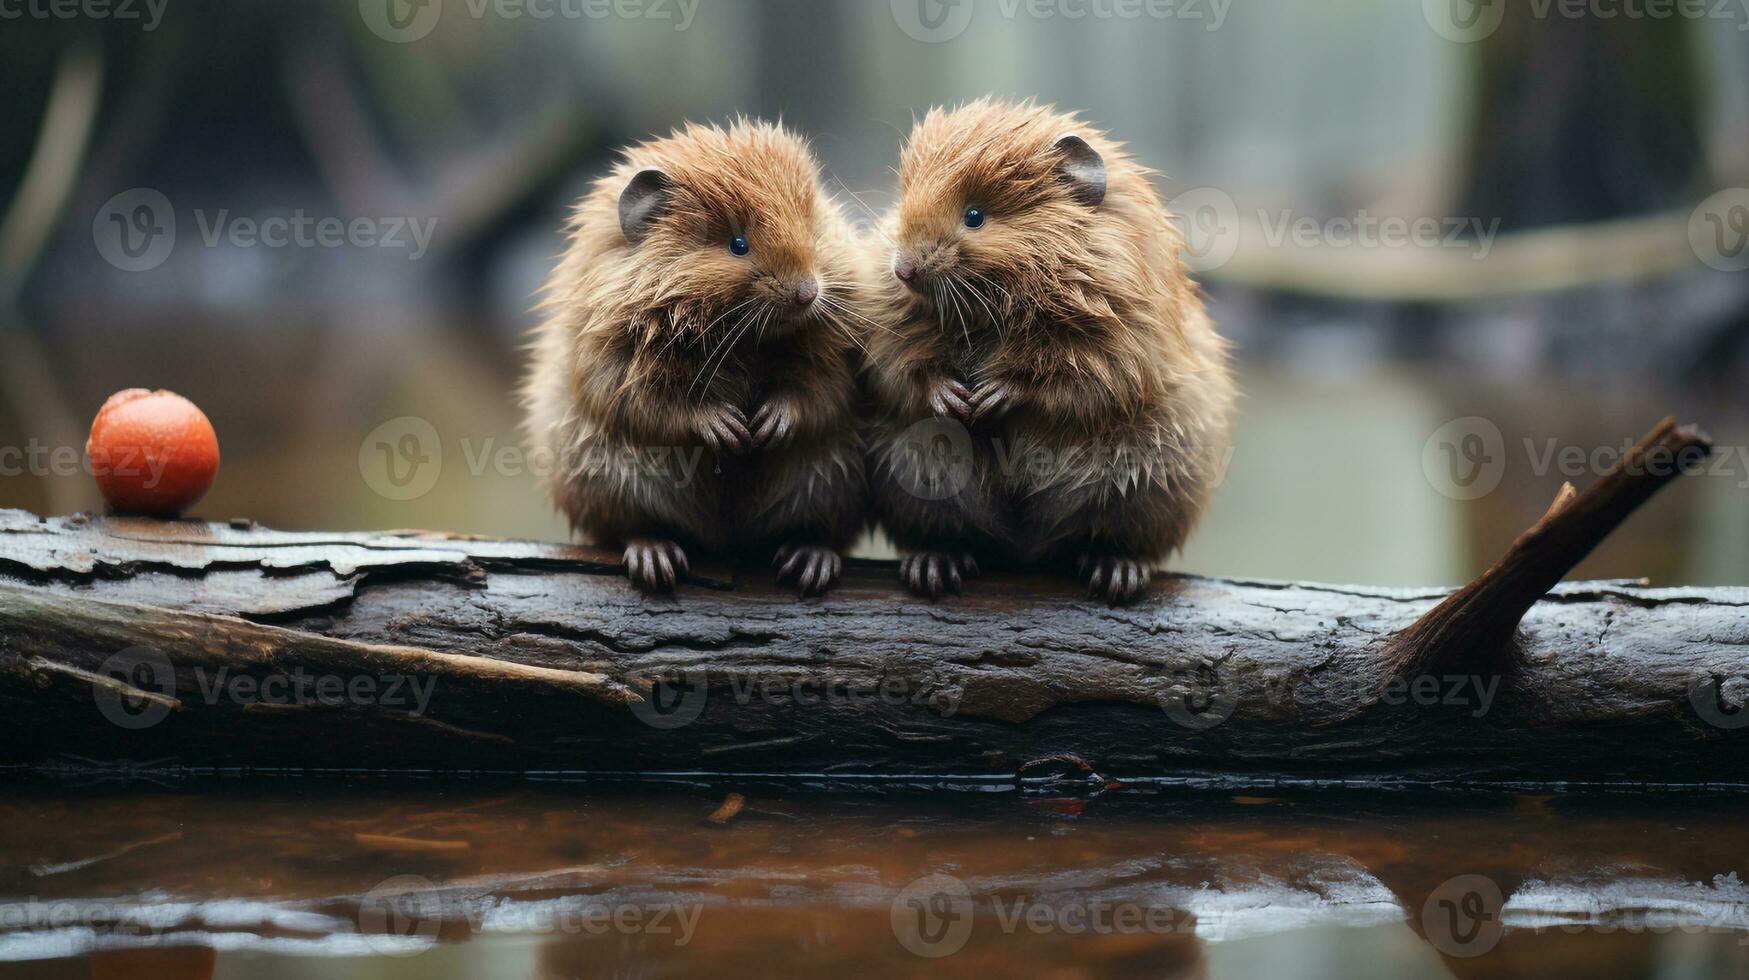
{"type": "Point", "coordinates": [1115, 579]}
{"type": "Point", "coordinates": [933, 574]}
{"type": "Point", "coordinates": [654, 565]}
{"type": "Point", "coordinates": [814, 568]}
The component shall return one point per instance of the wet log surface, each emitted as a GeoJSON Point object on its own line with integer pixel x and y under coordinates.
{"type": "Point", "coordinates": [201, 645]}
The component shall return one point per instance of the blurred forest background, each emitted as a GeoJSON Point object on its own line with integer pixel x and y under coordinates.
{"type": "Point", "coordinates": [1588, 161]}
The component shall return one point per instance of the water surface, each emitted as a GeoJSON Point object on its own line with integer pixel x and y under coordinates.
{"type": "Point", "coordinates": [292, 878]}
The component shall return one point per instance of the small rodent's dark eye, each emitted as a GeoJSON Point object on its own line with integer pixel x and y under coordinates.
{"type": "Point", "coordinates": [739, 245]}
{"type": "Point", "coordinates": [974, 218]}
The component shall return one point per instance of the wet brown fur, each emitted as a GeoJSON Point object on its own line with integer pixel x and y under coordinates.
{"type": "Point", "coordinates": [645, 345]}
{"type": "Point", "coordinates": [1078, 325]}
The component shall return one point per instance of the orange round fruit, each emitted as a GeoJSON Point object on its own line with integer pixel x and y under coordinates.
{"type": "Point", "coordinates": [152, 452]}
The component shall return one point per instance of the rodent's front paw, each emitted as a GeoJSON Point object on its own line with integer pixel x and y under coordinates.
{"type": "Point", "coordinates": [774, 425]}
{"type": "Point", "coordinates": [724, 429]}
{"type": "Point", "coordinates": [654, 565]}
{"type": "Point", "coordinates": [951, 399]}
{"type": "Point", "coordinates": [992, 400]}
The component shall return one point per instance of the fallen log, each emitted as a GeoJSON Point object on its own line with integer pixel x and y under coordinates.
{"type": "Point", "coordinates": [205, 645]}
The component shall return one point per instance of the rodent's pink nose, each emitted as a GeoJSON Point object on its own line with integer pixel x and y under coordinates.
{"type": "Point", "coordinates": [807, 292]}
{"type": "Point", "coordinates": [905, 268]}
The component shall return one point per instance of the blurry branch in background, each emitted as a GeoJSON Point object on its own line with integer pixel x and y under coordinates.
{"type": "Point", "coordinates": [349, 159]}
{"type": "Point", "coordinates": [55, 164]}
{"type": "Point", "coordinates": [472, 192]}
{"type": "Point", "coordinates": [476, 192]}
{"type": "Point", "coordinates": [1545, 260]}
{"type": "Point", "coordinates": [1572, 124]}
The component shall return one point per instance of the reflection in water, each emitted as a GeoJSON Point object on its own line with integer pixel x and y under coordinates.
{"type": "Point", "coordinates": [320, 879]}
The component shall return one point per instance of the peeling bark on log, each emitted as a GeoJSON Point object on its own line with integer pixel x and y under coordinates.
{"type": "Point", "coordinates": [539, 657]}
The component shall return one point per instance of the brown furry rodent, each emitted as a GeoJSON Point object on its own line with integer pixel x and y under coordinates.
{"type": "Point", "coordinates": [703, 304]}
{"type": "Point", "coordinates": [1038, 297]}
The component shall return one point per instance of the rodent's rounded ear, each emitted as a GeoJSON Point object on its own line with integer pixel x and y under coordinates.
{"type": "Point", "coordinates": [1083, 168]}
{"type": "Point", "coordinates": [642, 202]}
